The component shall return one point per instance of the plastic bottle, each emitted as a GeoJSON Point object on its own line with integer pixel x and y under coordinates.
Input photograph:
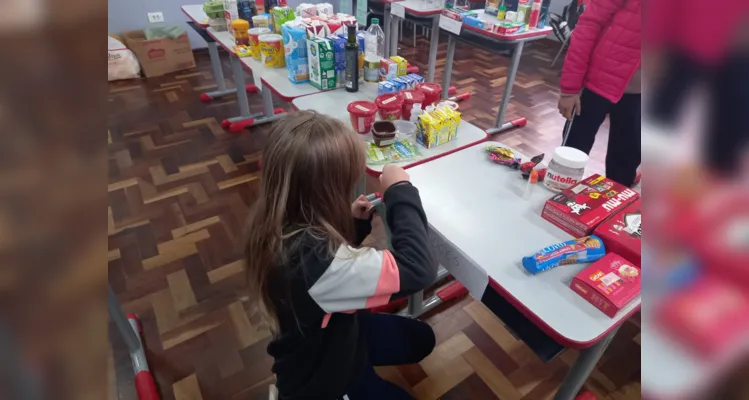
{"type": "Point", "coordinates": [535, 12]}
{"type": "Point", "coordinates": [374, 51]}
{"type": "Point", "coordinates": [416, 112]}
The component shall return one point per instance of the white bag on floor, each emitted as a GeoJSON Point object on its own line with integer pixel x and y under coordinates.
{"type": "Point", "coordinates": [122, 63]}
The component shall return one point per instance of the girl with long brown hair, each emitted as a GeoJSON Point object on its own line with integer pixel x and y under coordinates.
{"type": "Point", "coordinates": [306, 273]}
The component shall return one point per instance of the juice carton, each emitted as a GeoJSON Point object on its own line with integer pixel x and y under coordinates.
{"type": "Point", "coordinates": [622, 233]}
{"type": "Point", "coordinates": [295, 52]}
{"type": "Point", "coordinates": [339, 56]}
{"type": "Point", "coordinates": [417, 79]}
{"type": "Point", "coordinates": [321, 58]}
{"type": "Point", "coordinates": [402, 65]}
{"type": "Point", "coordinates": [580, 209]}
{"type": "Point", "coordinates": [388, 69]}
{"type": "Point", "coordinates": [401, 83]}
{"type": "Point", "coordinates": [386, 87]}
{"type": "Point", "coordinates": [609, 283]}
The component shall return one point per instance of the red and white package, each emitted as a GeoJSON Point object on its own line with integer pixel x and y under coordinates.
{"type": "Point", "coordinates": [609, 283]}
{"type": "Point", "coordinates": [580, 209]}
{"type": "Point", "coordinates": [622, 233]}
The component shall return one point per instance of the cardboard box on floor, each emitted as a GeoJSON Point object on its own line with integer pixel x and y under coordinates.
{"type": "Point", "coordinates": [160, 56]}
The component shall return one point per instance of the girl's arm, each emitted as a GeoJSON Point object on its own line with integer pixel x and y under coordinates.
{"type": "Point", "coordinates": [587, 32]}
{"type": "Point", "coordinates": [365, 278]}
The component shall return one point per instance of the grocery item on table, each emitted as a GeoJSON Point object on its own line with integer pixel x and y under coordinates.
{"type": "Point", "coordinates": [317, 28]}
{"type": "Point", "coordinates": [254, 35]}
{"type": "Point", "coordinates": [231, 12]}
{"type": "Point", "coordinates": [447, 103]}
{"type": "Point", "coordinates": [479, 23]}
{"type": "Point", "coordinates": [535, 12]}
{"type": "Point", "coordinates": [566, 168]}
{"type": "Point", "coordinates": [417, 79]}
{"type": "Point", "coordinates": [246, 9]}
{"type": "Point", "coordinates": [411, 98]}
{"type": "Point", "coordinates": [339, 58]}
{"type": "Point", "coordinates": [390, 106]}
{"type": "Point", "coordinates": [511, 16]}
{"type": "Point", "coordinates": [543, 15]}
{"type": "Point", "coordinates": [321, 59]}
{"type": "Point", "coordinates": [524, 12]}
{"type": "Point", "coordinates": [325, 9]}
{"type": "Point", "coordinates": [400, 83]}
{"type": "Point", "coordinates": [261, 21]}
{"type": "Point", "coordinates": [306, 10]}
{"type": "Point", "coordinates": [509, 28]}
{"type": "Point", "coordinates": [401, 150]}
{"type": "Point", "coordinates": [622, 233]}
{"type": "Point", "coordinates": [405, 129]}
{"type": "Point", "coordinates": [362, 114]}
{"type": "Point", "coordinates": [295, 51]}
{"type": "Point", "coordinates": [581, 208]}
{"type": "Point", "coordinates": [610, 283]}
{"type": "Point", "coordinates": [584, 249]}
{"type": "Point", "coordinates": [503, 155]}
{"type": "Point", "coordinates": [240, 28]}
{"type": "Point", "coordinates": [432, 92]}
{"type": "Point", "coordinates": [279, 16]}
{"type": "Point", "coordinates": [402, 65]}
{"type": "Point", "coordinates": [351, 64]}
{"type": "Point", "coordinates": [388, 69]}
{"type": "Point", "coordinates": [386, 87]}
{"type": "Point", "coordinates": [271, 47]}
{"type": "Point", "coordinates": [374, 51]}
{"type": "Point", "coordinates": [501, 12]}
{"type": "Point", "coordinates": [214, 9]}
{"type": "Point", "coordinates": [533, 165]}
{"type": "Point", "coordinates": [383, 133]}
{"type": "Point", "coordinates": [532, 180]}
{"type": "Point", "coordinates": [437, 126]}
{"type": "Point", "coordinates": [491, 7]}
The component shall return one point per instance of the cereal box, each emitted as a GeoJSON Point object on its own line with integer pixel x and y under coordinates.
{"type": "Point", "coordinates": [609, 283]}
{"type": "Point", "coordinates": [388, 69]}
{"type": "Point", "coordinates": [402, 65]}
{"type": "Point", "coordinates": [580, 209]}
{"type": "Point", "coordinates": [622, 233]}
{"type": "Point", "coordinates": [321, 59]}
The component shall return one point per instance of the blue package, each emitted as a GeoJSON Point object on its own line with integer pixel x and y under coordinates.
{"type": "Point", "coordinates": [580, 250]}
{"type": "Point", "coordinates": [386, 87]}
{"type": "Point", "coordinates": [401, 83]}
{"type": "Point", "coordinates": [418, 78]}
{"type": "Point", "coordinates": [339, 57]}
{"type": "Point", "coordinates": [295, 47]}
{"type": "Point", "coordinates": [475, 22]}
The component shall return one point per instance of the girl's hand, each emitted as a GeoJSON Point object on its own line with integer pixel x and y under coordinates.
{"type": "Point", "coordinates": [361, 208]}
{"type": "Point", "coordinates": [392, 174]}
{"type": "Point", "coordinates": [568, 102]}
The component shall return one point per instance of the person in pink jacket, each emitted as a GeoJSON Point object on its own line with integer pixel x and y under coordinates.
{"type": "Point", "coordinates": [600, 77]}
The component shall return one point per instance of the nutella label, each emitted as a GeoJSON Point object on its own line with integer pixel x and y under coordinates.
{"type": "Point", "coordinates": [556, 181]}
{"type": "Point", "coordinates": [361, 108]}
{"type": "Point", "coordinates": [390, 100]}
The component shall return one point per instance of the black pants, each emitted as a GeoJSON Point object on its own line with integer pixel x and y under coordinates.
{"type": "Point", "coordinates": [623, 151]}
{"type": "Point", "coordinates": [727, 134]}
{"type": "Point", "coordinates": [391, 340]}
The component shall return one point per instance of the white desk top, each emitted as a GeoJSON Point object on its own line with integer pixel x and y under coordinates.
{"type": "Point", "coordinates": [477, 207]}
{"type": "Point", "coordinates": [528, 35]}
{"type": "Point", "coordinates": [421, 7]}
{"type": "Point", "coordinates": [196, 14]}
{"type": "Point", "coordinates": [334, 103]}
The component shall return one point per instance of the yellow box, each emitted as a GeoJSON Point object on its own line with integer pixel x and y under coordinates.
{"type": "Point", "coordinates": [402, 65]}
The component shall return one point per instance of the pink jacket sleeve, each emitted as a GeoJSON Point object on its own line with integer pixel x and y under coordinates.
{"type": "Point", "coordinates": [592, 22]}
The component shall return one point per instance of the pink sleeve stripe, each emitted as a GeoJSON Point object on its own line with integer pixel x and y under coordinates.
{"type": "Point", "coordinates": [388, 283]}
{"type": "Point", "coordinates": [325, 320]}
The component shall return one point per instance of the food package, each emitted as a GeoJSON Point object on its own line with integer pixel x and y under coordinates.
{"type": "Point", "coordinates": [437, 127]}
{"type": "Point", "coordinates": [585, 249]}
{"type": "Point", "coordinates": [386, 87]}
{"type": "Point", "coordinates": [320, 57]}
{"type": "Point", "coordinates": [402, 65]}
{"type": "Point", "coordinates": [479, 23]}
{"type": "Point", "coordinates": [509, 28]}
{"type": "Point", "coordinates": [580, 209]}
{"type": "Point", "coordinates": [417, 79]}
{"type": "Point", "coordinates": [388, 69]}
{"type": "Point", "coordinates": [231, 12]}
{"type": "Point", "coordinates": [306, 10]}
{"type": "Point", "coordinates": [610, 283]}
{"type": "Point", "coordinates": [317, 28]}
{"type": "Point", "coordinates": [399, 151]}
{"type": "Point", "coordinates": [279, 16]}
{"type": "Point", "coordinates": [295, 51]}
{"type": "Point", "coordinates": [622, 233]}
{"type": "Point", "coordinates": [339, 57]}
{"type": "Point", "coordinates": [272, 50]}
{"type": "Point", "coordinates": [214, 9]}
{"type": "Point", "coordinates": [325, 9]}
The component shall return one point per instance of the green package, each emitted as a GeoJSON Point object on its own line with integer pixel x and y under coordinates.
{"type": "Point", "coordinates": [401, 150]}
{"type": "Point", "coordinates": [321, 61]}
{"type": "Point", "coordinates": [279, 15]}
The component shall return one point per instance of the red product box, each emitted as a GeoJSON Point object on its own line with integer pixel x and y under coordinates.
{"type": "Point", "coordinates": [711, 317]}
{"type": "Point", "coordinates": [609, 283]}
{"type": "Point", "coordinates": [581, 208]}
{"type": "Point", "coordinates": [622, 233]}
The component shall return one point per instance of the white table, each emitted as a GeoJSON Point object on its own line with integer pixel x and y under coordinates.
{"type": "Point", "coordinates": [518, 40]}
{"type": "Point", "coordinates": [199, 19]}
{"type": "Point", "coordinates": [476, 211]}
{"type": "Point", "coordinates": [334, 103]}
{"type": "Point", "coordinates": [418, 8]}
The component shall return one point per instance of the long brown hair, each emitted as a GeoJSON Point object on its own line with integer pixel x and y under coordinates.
{"type": "Point", "coordinates": [311, 164]}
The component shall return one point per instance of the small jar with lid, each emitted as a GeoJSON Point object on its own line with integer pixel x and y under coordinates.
{"type": "Point", "coordinates": [566, 168]}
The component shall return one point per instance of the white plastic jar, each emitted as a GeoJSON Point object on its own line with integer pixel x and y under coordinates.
{"type": "Point", "coordinates": [566, 168]}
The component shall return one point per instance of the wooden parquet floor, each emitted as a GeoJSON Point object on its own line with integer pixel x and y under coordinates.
{"type": "Point", "coordinates": [179, 190]}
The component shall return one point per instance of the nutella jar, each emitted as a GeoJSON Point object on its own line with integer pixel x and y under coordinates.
{"type": "Point", "coordinates": [566, 168]}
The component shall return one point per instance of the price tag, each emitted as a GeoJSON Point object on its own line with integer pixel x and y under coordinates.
{"type": "Point", "coordinates": [450, 25]}
{"type": "Point", "coordinates": [398, 10]}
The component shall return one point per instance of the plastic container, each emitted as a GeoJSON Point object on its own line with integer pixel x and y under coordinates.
{"type": "Point", "coordinates": [405, 129]}
{"type": "Point", "coordinates": [432, 92]}
{"type": "Point", "coordinates": [383, 133]}
{"type": "Point", "coordinates": [390, 106]}
{"type": "Point", "coordinates": [271, 46]}
{"type": "Point", "coordinates": [218, 24]}
{"type": "Point", "coordinates": [254, 34]}
{"type": "Point", "coordinates": [566, 168]}
{"type": "Point", "coordinates": [411, 97]}
{"type": "Point", "coordinates": [362, 115]}
{"type": "Point", "coordinates": [261, 21]}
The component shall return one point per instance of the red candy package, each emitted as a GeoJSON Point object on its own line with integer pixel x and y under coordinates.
{"type": "Point", "coordinates": [580, 209]}
{"type": "Point", "coordinates": [609, 283]}
{"type": "Point", "coordinates": [622, 233]}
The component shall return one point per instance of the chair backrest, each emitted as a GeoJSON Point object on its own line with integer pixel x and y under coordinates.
{"type": "Point", "coordinates": [572, 13]}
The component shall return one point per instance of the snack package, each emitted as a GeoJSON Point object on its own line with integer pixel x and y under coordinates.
{"type": "Point", "coordinates": [584, 249]}
{"type": "Point", "coordinates": [386, 87]}
{"type": "Point", "coordinates": [295, 51]}
{"type": "Point", "coordinates": [622, 233]}
{"type": "Point", "coordinates": [399, 151]}
{"type": "Point", "coordinates": [509, 28]}
{"type": "Point", "coordinates": [437, 127]}
{"type": "Point", "coordinates": [417, 78]}
{"type": "Point", "coordinates": [401, 84]}
{"type": "Point", "coordinates": [610, 283]}
{"type": "Point", "coordinates": [279, 16]}
{"type": "Point", "coordinates": [502, 155]}
{"type": "Point", "coordinates": [402, 65]}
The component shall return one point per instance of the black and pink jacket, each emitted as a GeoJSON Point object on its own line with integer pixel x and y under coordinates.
{"type": "Point", "coordinates": [319, 352]}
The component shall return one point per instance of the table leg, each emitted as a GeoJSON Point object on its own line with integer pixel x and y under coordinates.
{"type": "Point", "coordinates": [433, 43]}
{"type": "Point", "coordinates": [386, 28]}
{"type": "Point", "coordinates": [238, 73]}
{"type": "Point", "coordinates": [218, 73]}
{"type": "Point", "coordinates": [269, 113]}
{"type": "Point", "coordinates": [500, 125]}
{"type": "Point", "coordinates": [394, 28]}
{"type": "Point", "coordinates": [582, 368]}
{"type": "Point", "coordinates": [448, 65]}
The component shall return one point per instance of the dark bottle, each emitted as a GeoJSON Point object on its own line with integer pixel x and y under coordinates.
{"type": "Point", "coordinates": [352, 60]}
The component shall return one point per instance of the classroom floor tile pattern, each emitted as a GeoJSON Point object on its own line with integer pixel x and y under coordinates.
{"type": "Point", "coordinates": [179, 190]}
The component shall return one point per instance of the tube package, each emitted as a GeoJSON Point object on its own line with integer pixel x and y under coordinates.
{"type": "Point", "coordinates": [580, 250]}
